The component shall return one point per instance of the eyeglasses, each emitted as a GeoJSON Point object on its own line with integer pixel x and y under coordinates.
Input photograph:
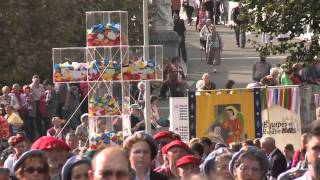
{"type": "Point", "coordinates": [247, 169]}
{"type": "Point", "coordinates": [31, 170]}
{"type": "Point", "coordinates": [118, 174]}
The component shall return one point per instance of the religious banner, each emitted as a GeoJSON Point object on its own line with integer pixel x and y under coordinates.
{"type": "Point", "coordinates": [281, 114]}
{"type": "Point", "coordinates": [224, 116]}
{"type": "Point", "coordinates": [179, 117]}
{"type": "Point", "coordinates": [317, 103]}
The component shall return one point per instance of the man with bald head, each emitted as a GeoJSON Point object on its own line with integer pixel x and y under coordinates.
{"type": "Point", "coordinates": [278, 163]}
{"type": "Point", "coordinates": [111, 163]}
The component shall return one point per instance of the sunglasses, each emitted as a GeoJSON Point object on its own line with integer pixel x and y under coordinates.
{"type": "Point", "coordinates": [31, 170]}
{"type": "Point", "coordinates": [118, 174]}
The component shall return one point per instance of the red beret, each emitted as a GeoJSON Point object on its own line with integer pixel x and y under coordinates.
{"type": "Point", "coordinates": [188, 159]}
{"type": "Point", "coordinates": [163, 134]}
{"type": "Point", "coordinates": [47, 143]}
{"type": "Point", "coordinates": [18, 139]}
{"type": "Point", "coordinates": [175, 143]}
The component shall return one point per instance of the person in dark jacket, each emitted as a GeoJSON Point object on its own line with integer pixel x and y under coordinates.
{"type": "Point", "coordinates": [241, 20]}
{"type": "Point", "coordinates": [278, 162]}
{"type": "Point", "coordinates": [180, 28]}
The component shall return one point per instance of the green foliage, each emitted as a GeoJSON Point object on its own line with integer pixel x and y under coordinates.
{"type": "Point", "coordinates": [31, 28]}
{"type": "Point", "coordinates": [281, 16]}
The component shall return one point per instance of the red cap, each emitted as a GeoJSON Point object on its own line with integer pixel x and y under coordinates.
{"type": "Point", "coordinates": [175, 143]}
{"type": "Point", "coordinates": [163, 134]}
{"type": "Point", "coordinates": [47, 143]}
{"type": "Point", "coordinates": [18, 139]}
{"type": "Point", "coordinates": [188, 159]}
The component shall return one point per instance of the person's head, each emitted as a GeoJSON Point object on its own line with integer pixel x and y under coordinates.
{"type": "Point", "coordinates": [26, 89]}
{"type": "Point", "coordinates": [32, 165]}
{"type": "Point", "coordinates": [76, 168]}
{"type": "Point", "coordinates": [112, 163]}
{"type": "Point", "coordinates": [19, 144]}
{"type": "Point", "coordinates": [235, 146]}
{"type": "Point", "coordinates": [72, 140]}
{"type": "Point", "coordinates": [289, 72]}
{"type": "Point", "coordinates": [230, 84]}
{"type": "Point", "coordinates": [188, 165]}
{"type": "Point", "coordinates": [175, 60]}
{"type": "Point", "coordinates": [36, 79]}
{"type": "Point", "coordinates": [153, 99]}
{"type": "Point", "coordinates": [193, 141]}
{"type": "Point", "coordinates": [197, 149]}
{"type": "Point", "coordinates": [4, 173]}
{"type": "Point", "coordinates": [268, 144]}
{"type": "Point", "coordinates": [263, 58]}
{"type": "Point", "coordinates": [274, 72]}
{"type": "Point", "coordinates": [249, 163]}
{"type": "Point", "coordinates": [141, 86]}
{"type": "Point", "coordinates": [297, 67]}
{"type": "Point", "coordinates": [212, 27]}
{"type": "Point", "coordinates": [10, 141]}
{"type": "Point", "coordinates": [15, 88]}
{"type": "Point", "coordinates": [56, 150]}
{"type": "Point", "coordinates": [163, 138]}
{"type": "Point", "coordinates": [84, 119]}
{"type": "Point", "coordinates": [74, 90]}
{"type": "Point", "coordinates": [9, 109]}
{"type": "Point", "coordinates": [135, 109]}
{"type": "Point", "coordinates": [56, 122]}
{"type": "Point", "coordinates": [206, 77]}
{"type": "Point", "coordinates": [208, 22]}
{"type": "Point", "coordinates": [5, 90]}
{"type": "Point", "coordinates": [313, 149]}
{"type": "Point", "coordinates": [101, 124]}
{"type": "Point", "coordinates": [216, 165]}
{"type": "Point", "coordinates": [247, 142]}
{"type": "Point", "coordinates": [288, 151]}
{"type": "Point", "coordinates": [175, 150]}
{"type": "Point", "coordinates": [207, 145]}
{"type": "Point", "coordinates": [257, 143]}
{"type": "Point", "coordinates": [142, 149]}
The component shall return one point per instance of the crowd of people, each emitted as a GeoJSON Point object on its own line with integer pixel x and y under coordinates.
{"type": "Point", "coordinates": [160, 157]}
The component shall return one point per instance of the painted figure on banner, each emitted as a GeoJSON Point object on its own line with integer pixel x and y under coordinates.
{"type": "Point", "coordinates": [229, 122]}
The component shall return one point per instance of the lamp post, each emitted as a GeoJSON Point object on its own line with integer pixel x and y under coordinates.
{"type": "Point", "coordinates": [147, 113]}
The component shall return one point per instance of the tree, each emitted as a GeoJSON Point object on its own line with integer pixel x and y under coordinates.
{"type": "Point", "coordinates": [281, 16]}
{"type": "Point", "coordinates": [30, 29]}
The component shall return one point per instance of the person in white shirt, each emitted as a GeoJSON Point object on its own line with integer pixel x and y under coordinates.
{"type": "Point", "coordinates": [204, 33]}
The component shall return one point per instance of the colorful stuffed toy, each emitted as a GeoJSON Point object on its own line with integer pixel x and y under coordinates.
{"type": "Point", "coordinates": [137, 69]}
{"type": "Point", "coordinates": [104, 34]}
{"type": "Point", "coordinates": [70, 71]}
{"type": "Point", "coordinates": [111, 70]}
{"type": "Point", "coordinates": [105, 105]}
